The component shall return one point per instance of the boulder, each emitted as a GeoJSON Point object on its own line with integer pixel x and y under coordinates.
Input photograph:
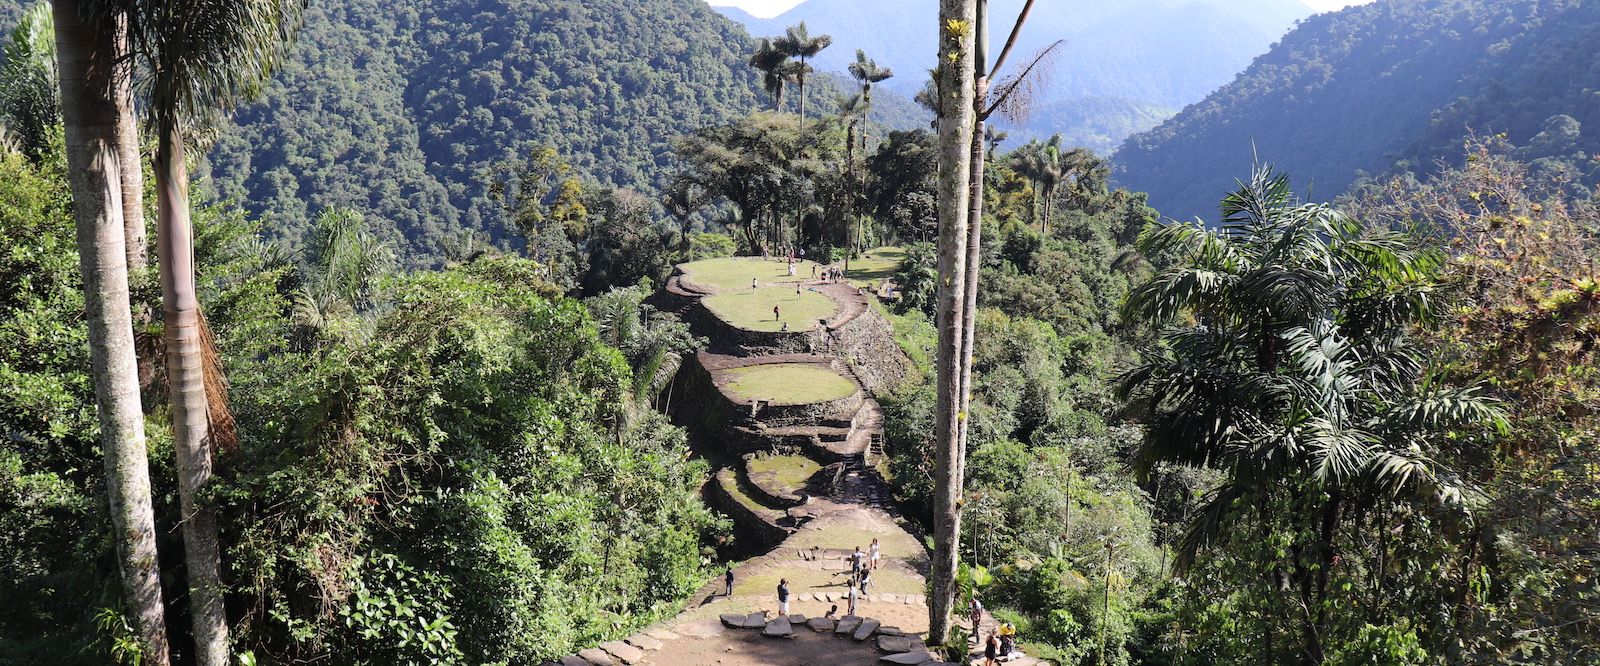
{"type": "Point", "coordinates": [573, 660]}
{"type": "Point", "coordinates": [627, 653]}
{"type": "Point", "coordinates": [755, 621]}
{"type": "Point", "coordinates": [778, 627]}
{"type": "Point", "coordinates": [644, 642]}
{"type": "Point", "coordinates": [894, 643]}
{"type": "Point", "coordinates": [597, 657]}
{"type": "Point", "coordinates": [868, 626]}
{"type": "Point", "coordinates": [735, 620]}
{"type": "Point", "coordinates": [820, 624]}
{"type": "Point", "coordinates": [847, 624]}
{"type": "Point", "coordinates": [890, 631]}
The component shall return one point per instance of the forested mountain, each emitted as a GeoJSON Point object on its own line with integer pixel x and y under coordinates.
{"type": "Point", "coordinates": [1152, 56]}
{"type": "Point", "coordinates": [1392, 85]}
{"type": "Point", "coordinates": [396, 108]}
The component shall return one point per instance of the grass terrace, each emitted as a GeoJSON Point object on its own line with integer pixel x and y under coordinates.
{"type": "Point", "coordinates": [791, 471]}
{"type": "Point", "coordinates": [734, 273]}
{"type": "Point", "coordinates": [875, 266]}
{"type": "Point", "coordinates": [752, 310]}
{"type": "Point", "coordinates": [787, 383]}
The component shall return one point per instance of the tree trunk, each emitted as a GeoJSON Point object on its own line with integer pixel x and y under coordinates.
{"type": "Point", "coordinates": [956, 19]}
{"type": "Point", "coordinates": [187, 391]}
{"type": "Point", "coordinates": [128, 152]}
{"type": "Point", "coordinates": [92, 103]}
{"type": "Point", "coordinates": [969, 298]}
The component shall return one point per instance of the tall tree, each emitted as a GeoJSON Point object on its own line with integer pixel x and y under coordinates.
{"type": "Point", "coordinates": [204, 56]}
{"type": "Point", "coordinates": [797, 42]}
{"type": "Point", "coordinates": [770, 61]}
{"type": "Point", "coordinates": [92, 98]}
{"type": "Point", "coordinates": [130, 152]}
{"type": "Point", "coordinates": [955, 85]}
{"type": "Point", "coordinates": [866, 72]}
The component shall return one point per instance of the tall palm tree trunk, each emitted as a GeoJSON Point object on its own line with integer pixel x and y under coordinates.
{"type": "Point", "coordinates": [187, 391]}
{"type": "Point", "coordinates": [128, 153]}
{"type": "Point", "coordinates": [92, 103]}
{"type": "Point", "coordinates": [956, 18]}
{"type": "Point", "coordinates": [974, 260]}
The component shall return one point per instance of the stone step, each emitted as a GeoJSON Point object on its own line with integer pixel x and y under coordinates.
{"type": "Point", "coordinates": [868, 626]}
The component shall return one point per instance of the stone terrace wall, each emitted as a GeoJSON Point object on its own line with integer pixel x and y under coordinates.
{"type": "Point", "coordinates": [867, 342]}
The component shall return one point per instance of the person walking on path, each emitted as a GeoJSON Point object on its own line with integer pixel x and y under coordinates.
{"type": "Point", "coordinates": [752, 284]}
{"type": "Point", "coordinates": [866, 580]}
{"type": "Point", "coordinates": [783, 596]}
{"type": "Point", "coordinates": [872, 551]}
{"type": "Point", "coordinates": [728, 578]}
{"type": "Point", "coordinates": [774, 313]}
{"type": "Point", "coordinates": [991, 649]}
{"type": "Point", "coordinates": [977, 615]}
{"type": "Point", "coordinates": [855, 563]}
{"type": "Point", "coordinates": [854, 598]}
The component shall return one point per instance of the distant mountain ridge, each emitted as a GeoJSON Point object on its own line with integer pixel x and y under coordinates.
{"type": "Point", "coordinates": [1388, 87]}
{"type": "Point", "coordinates": [1155, 55]}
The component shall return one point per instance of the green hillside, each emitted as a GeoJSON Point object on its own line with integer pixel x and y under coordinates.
{"type": "Point", "coordinates": [1391, 85]}
{"type": "Point", "coordinates": [395, 107]}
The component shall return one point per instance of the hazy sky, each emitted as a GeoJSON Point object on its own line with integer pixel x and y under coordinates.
{"type": "Point", "coordinates": [771, 8]}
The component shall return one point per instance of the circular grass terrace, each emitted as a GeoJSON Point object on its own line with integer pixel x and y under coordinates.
{"type": "Point", "coordinates": [786, 383]}
{"type": "Point", "coordinates": [731, 273]}
{"type": "Point", "coordinates": [752, 310]}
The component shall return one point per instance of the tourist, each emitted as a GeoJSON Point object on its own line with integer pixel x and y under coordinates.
{"type": "Point", "coordinates": [797, 288]}
{"type": "Point", "coordinates": [831, 612]}
{"type": "Point", "coordinates": [783, 596]}
{"type": "Point", "coordinates": [855, 597]}
{"type": "Point", "coordinates": [728, 579]}
{"type": "Point", "coordinates": [813, 271]}
{"type": "Point", "coordinates": [855, 563]}
{"type": "Point", "coordinates": [774, 313]}
{"type": "Point", "coordinates": [991, 649]}
{"type": "Point", "coordinates": [977, 614]}
{"type": "Point", "coordinates": [785, 327]}
{"type": "Point", "coordinates": [752, 284]}
{"type": "Point", "coordinates": [874, 554]}
{"type": "Point", "coordinates": [866, 580]}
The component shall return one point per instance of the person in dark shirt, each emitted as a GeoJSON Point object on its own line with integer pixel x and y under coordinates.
{"type": "Point", "coordinates": [728, 578]}
{"type": "Point", "coordinates": [783, 597]}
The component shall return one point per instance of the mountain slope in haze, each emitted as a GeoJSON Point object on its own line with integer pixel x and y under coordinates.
{"type": "Point", "coordinates": [1393, 85]}
{"type": "Point", "coordinates": [1153, 54]}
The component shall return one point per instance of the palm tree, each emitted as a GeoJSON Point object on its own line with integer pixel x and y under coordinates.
{"type": "Point", "coordinates": [203, 56]}
{"type": "Point", "coordinates": [87, 51]}
{"type": "Point", "coordinates": [30, 89]}
{"type": "Point", "coordinates": [955, 114]}
{"type": "Point", "coordinates": [798, 43]}
{"type": "Point", "coordinates": [1292, 375]}
{"type": "Point", "coordinates": [770, 60]}
{"type": "Point", "coordinates": [866, 72]}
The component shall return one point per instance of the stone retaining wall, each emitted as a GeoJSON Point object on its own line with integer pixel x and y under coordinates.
{"type": "Point", "coordinates": [867, 343]}
{"type": "Point", "coordinates": [756, 533]}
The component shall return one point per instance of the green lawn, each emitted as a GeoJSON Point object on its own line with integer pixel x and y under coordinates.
{"type": "Point", "coordinates": [752, 310]}
{"type": "Point", "coordinates": [792, 471]}
{"type": "Point", "coordinates": [874, 266]}
{"type": "Point", "coordinates": [788, 383]}
{"type": "Point", "coordinates": [736, 272]}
